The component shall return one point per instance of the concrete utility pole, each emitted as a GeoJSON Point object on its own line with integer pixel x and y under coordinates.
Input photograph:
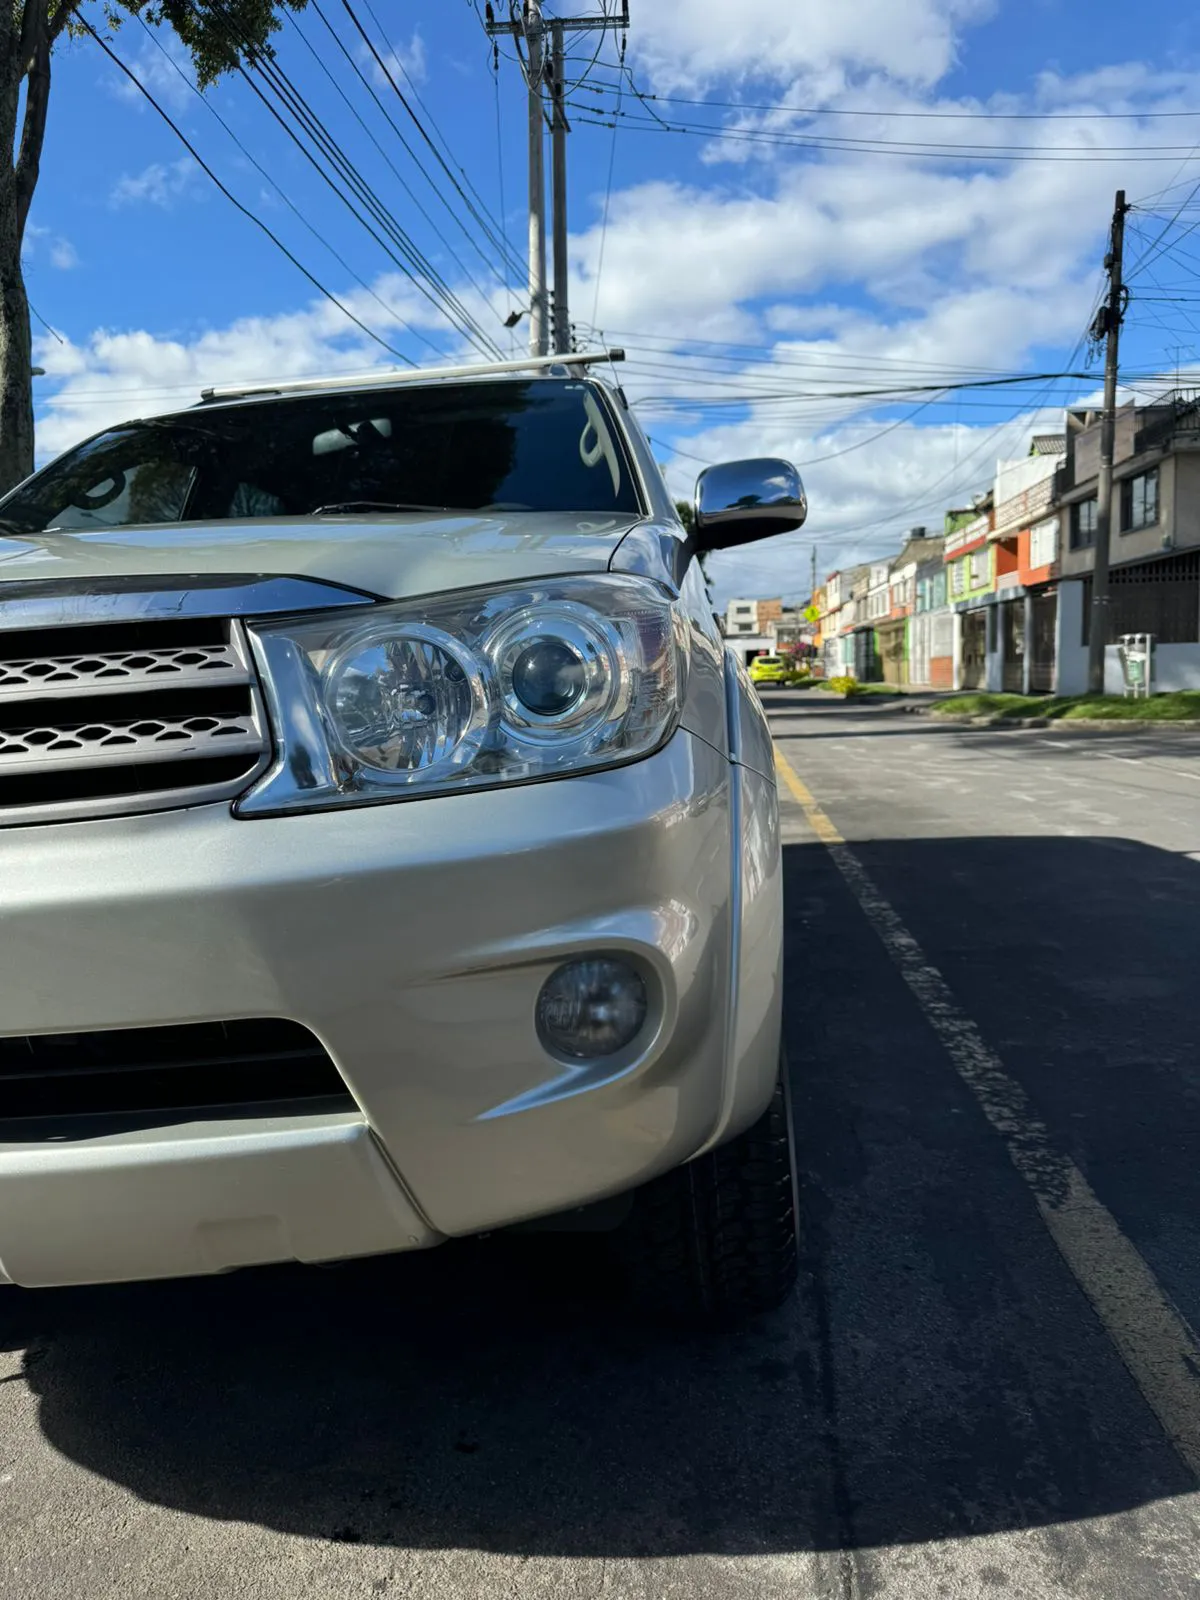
{"type": "Point", "coordinates": [539, 342]}
{"type": "Point", "coordinates": [559, 128]}
{"type": "Point", "coordinates": [1108, 323]}
{"type": "Point", "coordinates": [533, 29]}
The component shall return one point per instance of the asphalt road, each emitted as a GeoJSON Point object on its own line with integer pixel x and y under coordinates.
{"type": "Point", "coordinates": [942, 1411]}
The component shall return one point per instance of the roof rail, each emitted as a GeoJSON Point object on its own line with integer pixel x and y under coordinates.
{"type": "Point", "coordinates": [364, 380]}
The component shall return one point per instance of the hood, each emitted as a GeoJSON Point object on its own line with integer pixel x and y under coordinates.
{"type": "Point", "coordinates": [394, 557]}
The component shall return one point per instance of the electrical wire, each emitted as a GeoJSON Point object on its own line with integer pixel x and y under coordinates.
{"type": "Point", "coordinates": [965, 114]}
{"type": "Point", "coordinates": [389, 163]}
{"type": "Point", "coordinates": [500, 245]}
{"type": "Point", "coordinates": [612, 161]}
{"type": "Point", "coordinates": [905, 150]}
{"type": "Point", "coordinates": [266, 176]}
{"type": "Point", "coordinates": [235, 202]}
{"type": "Point", "coordinates": [508, 253]}
{"type": "Point", "coordinates": [414, 265]}
{"type": "Point", "coordinates": [53, 332]}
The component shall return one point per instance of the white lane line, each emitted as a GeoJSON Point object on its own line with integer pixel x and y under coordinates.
{"type": "Point", "coordinates": [1153, 1339]}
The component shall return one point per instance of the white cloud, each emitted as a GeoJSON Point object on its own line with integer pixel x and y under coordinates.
{"type": "Point", "coordinates": [159, 184]}
{"type": "Point", "coordinates": [43, 244]}
{"type": "Point", "coordinates": [692, 42]}
{"type": "Point", "coordinates": [403, 61]}
{"type": "Point", "coordinates": [116, 374]}
{"type": "Point", "coordinates": [167, 73]}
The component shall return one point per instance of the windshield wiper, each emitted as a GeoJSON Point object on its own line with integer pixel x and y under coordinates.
{"type": "Point", "coordinates": [337, 508]}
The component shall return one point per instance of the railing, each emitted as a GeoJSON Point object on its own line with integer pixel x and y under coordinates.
{"type": "Point", "coordinates": [1175, 416]}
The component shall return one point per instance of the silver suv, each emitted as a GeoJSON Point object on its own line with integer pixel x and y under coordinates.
{"type": "Point", "coordinates": [389, 848]}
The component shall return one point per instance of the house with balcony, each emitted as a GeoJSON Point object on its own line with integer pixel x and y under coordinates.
{"type": "Point", "coordinates": [931, 626]}
{"type": "Point", "coordinates": [871, 594]}
{"type": "Point", "coordinates": [1154, 540]}
{"type": "Point", "coordinates": [1021, 645]}
{"type": "Point", "coordinates": [893, 633]}
{"type": "Point", "coordinates": [844, 591]}
{"type": "Point", "coordinates": [970, 559]}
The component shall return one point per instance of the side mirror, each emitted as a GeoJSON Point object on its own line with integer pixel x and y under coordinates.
{"type": "Point", "coordinates": [741, 501]}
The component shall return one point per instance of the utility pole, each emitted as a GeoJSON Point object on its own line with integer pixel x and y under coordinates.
{"type": "Point", "coordinates": [813, 596]}
{"type": "Point", "coordinates": [1108, 325]}
{"type": "Point", "coordinates": [539, 342]}
{"type": "Point", "coordinates": [533, 29]}
{"type": "Point", "coordinates": [559, 128]}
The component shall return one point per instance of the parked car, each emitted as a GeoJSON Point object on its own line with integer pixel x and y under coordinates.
{"type": "Point", "coordinates": [779, 671]}
{"type": "Point", "coordinates": [389, 848]}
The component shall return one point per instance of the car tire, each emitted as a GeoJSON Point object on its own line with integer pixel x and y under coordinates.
{"type": "Point", "coordinates": [717, 1240]}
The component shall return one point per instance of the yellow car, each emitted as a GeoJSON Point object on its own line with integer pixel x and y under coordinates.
{"type": "Point", "coordinates": [776, 670]}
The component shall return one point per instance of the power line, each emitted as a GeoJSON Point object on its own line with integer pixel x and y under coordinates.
{"type": "Point", "coordinates": [415, 266]}
{"type": "Point", "coordinates": [266, 176]}
{"type": "Point", "coordinates": [508, 253]}
{"type": "Point", "coordinates": [612, 161]}
{"type": "Point", "coordinates": [692, 403]}
{"type": "Point", "coordinates": [909, 149]}
{"type": "Point", "coordinates": [948, 116]}
{"type": "Point", "coordinates": [53, 332]}
{"type": "Point", "coordinates": [421, 129]}
{"type": "Point", "coordinates": [390, 164]}
{"type": "Point", "coordinates": [234, 201]}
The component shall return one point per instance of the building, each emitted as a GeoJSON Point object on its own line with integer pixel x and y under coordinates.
{"type": "Point", "coordinates": [892, 634]}
{"type": "Point", "coordinates": [751, 616]}
{"type": "Point", "coordinates": [931, 626]}
{"type": "Point", "coordinates": [1154, 542]}
{"type": "Point", "coordinates": [1021, 651]}
{"type": "Point", "coordinates": [751, 626]}
{"type": "Point", "coordinates": [868, 584]}
{"type": "Point", "coordinates": [838, 623]}
{"type": "Point", "coordinates": [970, 583]}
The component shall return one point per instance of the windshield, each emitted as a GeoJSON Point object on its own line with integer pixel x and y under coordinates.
{"type": "Point", "coordinates": [521, 446]}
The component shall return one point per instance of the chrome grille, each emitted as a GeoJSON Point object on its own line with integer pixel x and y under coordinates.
{"type": "Point", "coordinates": [183, 666]}
{"type": "Point", "coordinates": [126, 716]}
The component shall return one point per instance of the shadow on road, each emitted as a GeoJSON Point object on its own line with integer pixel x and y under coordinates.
{"type": "Point", "coordinates": [940, 1375]}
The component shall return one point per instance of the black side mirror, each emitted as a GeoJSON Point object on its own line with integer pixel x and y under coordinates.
{"type": "Point", "coordinates": [741, 501]}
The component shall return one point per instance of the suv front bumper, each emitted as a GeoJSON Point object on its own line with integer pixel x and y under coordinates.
{"type": "Point", "coordinates": [412, 939]}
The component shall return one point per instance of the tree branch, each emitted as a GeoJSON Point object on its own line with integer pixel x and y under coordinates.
{"type": "Point", "coordinates": [37, 100]}
{"type": "Point", "coordinates": [66, 10]}
{"type": "Point", "coordinates": [33, 14]}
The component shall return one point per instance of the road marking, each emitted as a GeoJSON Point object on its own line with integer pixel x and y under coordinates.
{"type": "Point", "coordinates": [1154, 1341]}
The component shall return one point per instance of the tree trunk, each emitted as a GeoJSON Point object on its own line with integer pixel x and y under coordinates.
{"type": "Point", "coordinates": [25, 41]}
{"type": "Point", "coordinates": [16, 348]}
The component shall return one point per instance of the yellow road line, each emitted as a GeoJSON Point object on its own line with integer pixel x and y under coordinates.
{"type": "Point", "coordinates": [1152, 1338]}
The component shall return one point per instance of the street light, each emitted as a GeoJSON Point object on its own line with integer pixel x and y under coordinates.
{"type": "Point", "coordinates": [37, 372]}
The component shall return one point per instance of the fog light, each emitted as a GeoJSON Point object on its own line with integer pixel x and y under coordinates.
{"type": "Point", "coordinates": [591, 1008]}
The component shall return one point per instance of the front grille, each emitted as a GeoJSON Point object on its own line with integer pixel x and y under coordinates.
{"type": "Point", "coordinates": [61, 1083]}
{"type": "Point", "coordinates": [126, 717]}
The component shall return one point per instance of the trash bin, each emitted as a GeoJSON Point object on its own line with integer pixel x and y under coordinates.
{"type": "Point", "coordinates": [1135, 651]}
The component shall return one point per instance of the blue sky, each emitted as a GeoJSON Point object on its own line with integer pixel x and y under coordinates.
{"type": "Point", "coordinates": [806, 269]}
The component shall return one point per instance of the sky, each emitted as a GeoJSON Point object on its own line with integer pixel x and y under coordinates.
{"type": "Point", "coordinates": [773, 207]}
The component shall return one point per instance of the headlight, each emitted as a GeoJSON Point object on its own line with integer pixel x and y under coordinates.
{"type": "Point", "coordinates": [467, 690]}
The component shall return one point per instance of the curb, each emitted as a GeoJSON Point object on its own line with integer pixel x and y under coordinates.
{"type": "Point", "coordinates": [1113, 724]}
